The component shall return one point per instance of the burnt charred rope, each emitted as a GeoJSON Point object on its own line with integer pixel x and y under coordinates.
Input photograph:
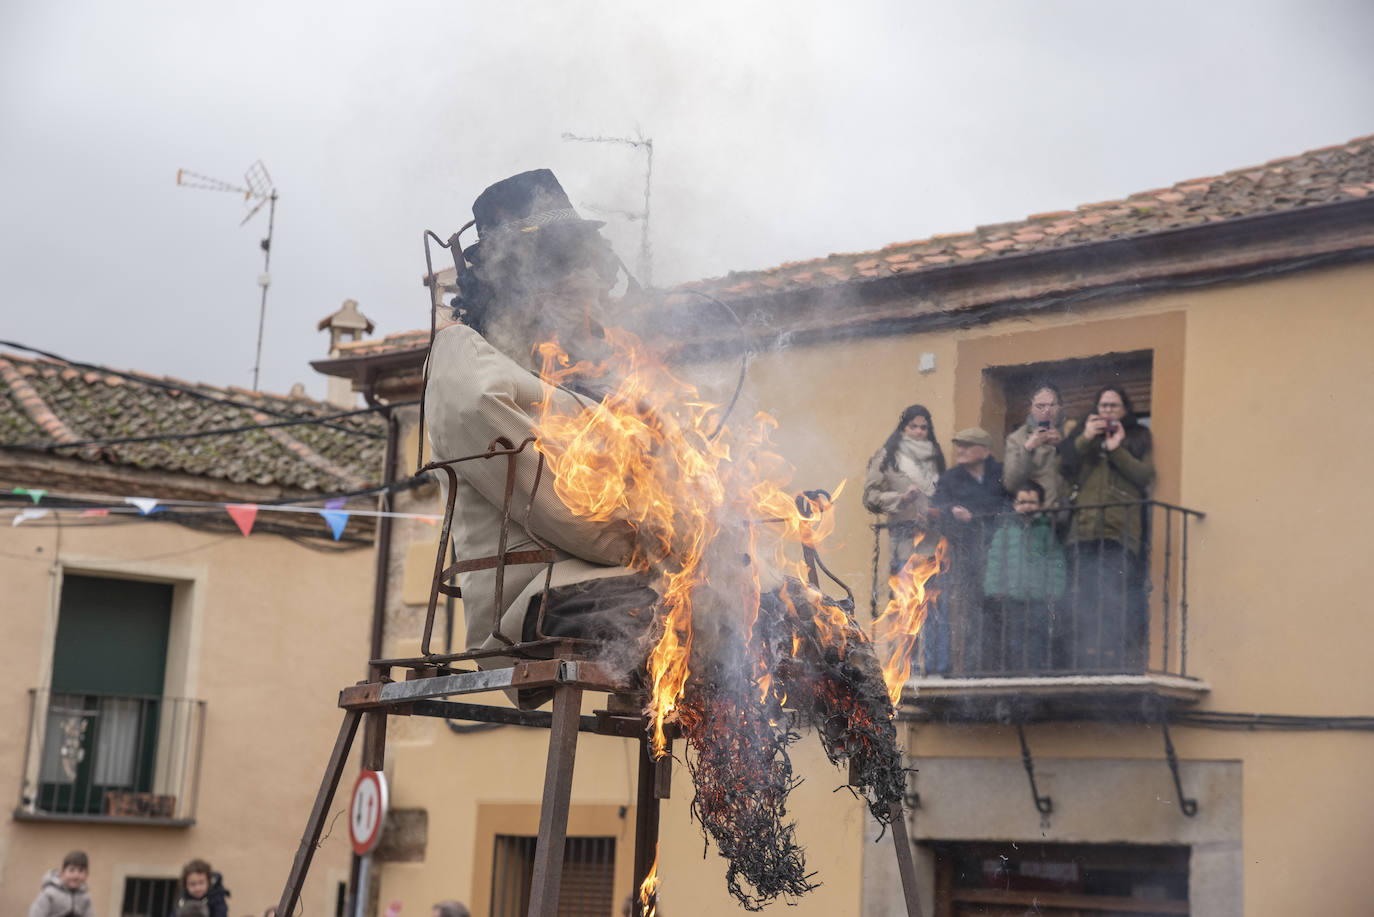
{"type": "Point", "coordinates": [185, 389]}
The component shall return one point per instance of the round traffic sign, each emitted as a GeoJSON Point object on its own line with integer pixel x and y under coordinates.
{"type": "Point", "coordinates": [367, 811]}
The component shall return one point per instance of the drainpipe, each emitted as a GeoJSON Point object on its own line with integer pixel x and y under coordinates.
{"type": "Point", "coordinates": [380, 576]}
{"type": "Point", "coordinates": [384, 524]}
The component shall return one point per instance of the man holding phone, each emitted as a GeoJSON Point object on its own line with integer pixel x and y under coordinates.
{"type": "Point", "coordinates": [1032, 452]}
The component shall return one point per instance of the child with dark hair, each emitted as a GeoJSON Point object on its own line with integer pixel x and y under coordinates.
{"type": "Point", "coordinates": [1023, 581]}
{"type": "Point", "coordinates": [201, 884]}
{"type": "Point", "coordinates": [63, 892]}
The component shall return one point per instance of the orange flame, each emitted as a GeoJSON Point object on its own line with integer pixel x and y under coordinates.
{"type": "Point", "coordinates": [895, 630]}
{"type": "Point", "coordinates": [698, 496]}
{"type": "Point", "coordinates": [648, 889]}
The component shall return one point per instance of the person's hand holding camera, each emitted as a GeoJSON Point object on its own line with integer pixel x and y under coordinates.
{"type": "Point", "coordinates": [1116, 433]}
{"type": "Point", "coordinates": [1094, 427]}
{"type": "Point", "coordinates": [1042, 437]}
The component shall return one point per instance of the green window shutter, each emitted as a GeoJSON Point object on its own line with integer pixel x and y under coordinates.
{"type": "Point", "coordinates": [111, 636]}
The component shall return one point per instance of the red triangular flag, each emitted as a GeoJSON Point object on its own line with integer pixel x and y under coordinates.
{"type": "Point", "coordinates": [243, 514]}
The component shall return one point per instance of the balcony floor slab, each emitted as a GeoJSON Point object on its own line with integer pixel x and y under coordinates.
{"type": "Point", "coordinates": [1048, 698]}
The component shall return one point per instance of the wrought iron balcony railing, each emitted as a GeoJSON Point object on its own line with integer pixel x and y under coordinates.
{"type": "Point", "coordinates": [112, 757]}
{"type": "Point", "coordinates": [1087, 590]}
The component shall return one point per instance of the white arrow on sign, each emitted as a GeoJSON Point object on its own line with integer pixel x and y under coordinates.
{"type": "Point", "coordinates": [367, 811]}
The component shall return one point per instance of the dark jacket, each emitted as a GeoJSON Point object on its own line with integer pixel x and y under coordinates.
{"type": "Point", "coordinates": [1124, 474]}
{"type": "Point", "coordinates": [56, 900]}
{"type": "Point", "coordinates": [981, 498]}
{"type": "Point", "coordinates": [959, 488]}
{"type": "Point", "coordinates": [214, 898]}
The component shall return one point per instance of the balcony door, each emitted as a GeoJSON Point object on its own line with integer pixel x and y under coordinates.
{"type": "Point", "coordinates": [109, 660]}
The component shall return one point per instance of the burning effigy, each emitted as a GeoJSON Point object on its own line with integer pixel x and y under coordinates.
{"type": "Point", "coordinates": [682, 547]}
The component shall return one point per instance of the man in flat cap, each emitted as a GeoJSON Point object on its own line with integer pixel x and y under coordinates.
{"type": "Point", "coordinates": [967, 496]}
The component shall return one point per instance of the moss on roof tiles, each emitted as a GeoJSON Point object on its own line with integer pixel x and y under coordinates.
{"type": "Point", "coordinates": [99, 406]}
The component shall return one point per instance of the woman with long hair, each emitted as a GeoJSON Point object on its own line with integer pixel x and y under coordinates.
{"type": "Point", "coordinates": [1109, 461]}
{"type": "Point", "coordinates": [898, 487]}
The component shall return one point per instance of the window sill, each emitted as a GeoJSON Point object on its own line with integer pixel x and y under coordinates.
{"type": "Point", "coordinates": [74, 818]}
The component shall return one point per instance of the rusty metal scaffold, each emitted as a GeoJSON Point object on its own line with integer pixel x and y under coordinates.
{"type": "Point", "coordinates": [555, 663]}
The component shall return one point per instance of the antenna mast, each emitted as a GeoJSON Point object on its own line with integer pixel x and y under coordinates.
{"type": "Point", "coordinates": [259, 190]}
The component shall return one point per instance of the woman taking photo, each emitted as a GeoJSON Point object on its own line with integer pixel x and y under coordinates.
{"type": "Point", "coordinates": [900, 482]}
{"type": "Point", "coordinates": [1110, 464]}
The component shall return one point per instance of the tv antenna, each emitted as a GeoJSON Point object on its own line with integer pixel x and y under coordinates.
{"type": "Point", "coordinates": [257, 191]}
{"type": "Point", "coordinates": [640, 142]}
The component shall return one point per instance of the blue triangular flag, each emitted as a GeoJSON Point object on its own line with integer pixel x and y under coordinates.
{"type": "Point", "coordinates": [336, 518]}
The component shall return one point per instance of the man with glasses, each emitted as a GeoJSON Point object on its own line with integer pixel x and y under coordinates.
{"type": "Point", "coordinates": [1032, 452]}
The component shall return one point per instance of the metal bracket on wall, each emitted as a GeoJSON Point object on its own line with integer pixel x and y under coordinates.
{"type": "Point", "coordinates": [1043, 804]}
{"type": "Point", "coordinates": [1186, 805]}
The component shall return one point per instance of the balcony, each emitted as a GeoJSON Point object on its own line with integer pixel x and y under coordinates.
{"type": "Point", "coordinates": [132, 759]}
{"type": "Point", "coordinates": [1082, 613]}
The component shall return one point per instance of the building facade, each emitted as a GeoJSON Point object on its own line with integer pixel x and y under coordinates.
{"type": "Point", "coordinates": [170, 678]}
{"type": "Point", "coordinates": [1215, 770]}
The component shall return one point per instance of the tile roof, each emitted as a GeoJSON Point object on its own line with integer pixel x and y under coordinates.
{"type": "Point", "coordinates": [1330, 174]}
{"type": "Point", "coordinates": [1322, 176]}
{"type": "Point", "coordinates": [45, 402]}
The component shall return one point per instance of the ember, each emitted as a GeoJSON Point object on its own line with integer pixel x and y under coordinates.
{"type": "Point", "coordinates": [744, 650]}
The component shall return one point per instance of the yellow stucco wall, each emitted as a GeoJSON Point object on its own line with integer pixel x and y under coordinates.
{"type": "Point", "coordinates": [1270, 383]}
{"type": "Point", "coordinates": [266, 632]}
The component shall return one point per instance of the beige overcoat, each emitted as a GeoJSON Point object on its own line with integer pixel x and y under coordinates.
{"type": "Point", "coordinates": [476, 394]}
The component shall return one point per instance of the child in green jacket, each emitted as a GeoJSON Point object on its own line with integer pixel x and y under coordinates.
{"type": "Point", "coordinates": [1023, 581]}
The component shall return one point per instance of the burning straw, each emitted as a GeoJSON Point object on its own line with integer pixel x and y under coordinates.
{"type": "Point", "coordinates": [742, 646]}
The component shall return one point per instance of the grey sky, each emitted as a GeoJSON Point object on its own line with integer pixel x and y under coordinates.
{"type": "Point", "coordinates": [782, 131]}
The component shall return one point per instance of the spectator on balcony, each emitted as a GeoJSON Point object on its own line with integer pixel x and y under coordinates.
{"type": "Point", "coordinates": [1032, 452]}
{"type": "Point", "coordinates": [1111, 465]}
{"type": "Point", "coordinates": [967, 497]}
{"type": "Point", "coordinates": [901, 482]}
{"type": "Point", "coordinates": [1022, 584]}
{"type": "Point", "coordinates": [63, 891]}
{"type": "Point", "coordinates": [200, 883]}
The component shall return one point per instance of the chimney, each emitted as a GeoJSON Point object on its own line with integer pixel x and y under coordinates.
{"type": "Point", "coordinates": [345, 325]}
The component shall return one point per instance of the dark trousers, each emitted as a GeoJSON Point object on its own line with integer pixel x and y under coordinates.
{"type": "Point", "coordinates": [1107, 626]}
{"type": "Point", "coordinates": [1015, 635]}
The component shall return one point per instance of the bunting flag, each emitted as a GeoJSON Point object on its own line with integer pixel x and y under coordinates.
{"type": "Point", "coordinates": [243, 515]}
{"type": "Point", "coordinates": [24, 515]}
{"type": "Point", "coordinates": [336, 519]}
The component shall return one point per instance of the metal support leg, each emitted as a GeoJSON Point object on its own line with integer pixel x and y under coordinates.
{"type": "Point", "coordinates": [1043, 804]}
{"type": "Point", "coordinates": [553, 812]}
{"type": "Point", "coordinates": [650, 791]}
{"type": "Point", "coordinates": [1187, 806]}
{"type": "Point", "coordinates": [315, 824]}
{"type": "Point", "coordinates": [906, 862]}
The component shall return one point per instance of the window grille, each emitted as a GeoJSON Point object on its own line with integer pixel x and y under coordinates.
{"type": "Point", "coordinates": [587, 882]}
{"type": "Point", "coordinates": [148, 897]}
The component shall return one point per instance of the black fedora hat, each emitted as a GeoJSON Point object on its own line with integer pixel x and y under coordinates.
{"type": "Point", "coordinates": [530, 202]}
